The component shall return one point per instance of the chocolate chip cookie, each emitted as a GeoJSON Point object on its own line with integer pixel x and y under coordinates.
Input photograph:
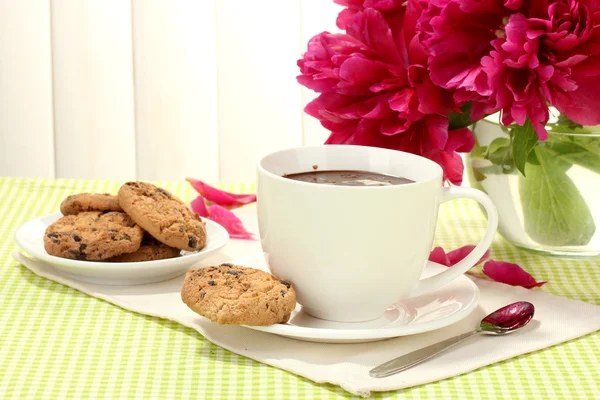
{"type": "Point", "coordinates": [82, 202]}
{"type": "Point", "coordinates": [230, 294]}
{"type": "Point", "coordinates": [93, 236]}
{"type": "Point", "coordinates": [150, 250]}
{"type": "Point", "coordinates": [163, 215]}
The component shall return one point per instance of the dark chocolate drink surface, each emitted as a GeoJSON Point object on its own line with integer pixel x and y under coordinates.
{"type": "Point", "coordinates": [348, 178]}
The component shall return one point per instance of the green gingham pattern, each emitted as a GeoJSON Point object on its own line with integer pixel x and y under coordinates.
{"type": "Point", "coordinates": [57, 343]}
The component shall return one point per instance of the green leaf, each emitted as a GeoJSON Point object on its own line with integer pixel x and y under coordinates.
{"type": "Point", "coordinates": [499, 152]}
{"type": "Point", "coordinates": [566, 122]}
{"type": "Point", "coordinates": [478, 151]}
{"type": "Point", "coordinates": [589, 143]}
{"type": "Point", "coordinates": [585, 159]}
{"type": "Point", "coordinates": [462, 119]}
{"type": "Point", "coordinates": [565, 125]}
{"type": "Point", "coordinates": [532, 157]}
{"type": "Point", "coordinates": [495, 170]}
{"type": "Point", "coordinates": [578, 150]}
{"type": "Point", "coordinates": [477, 175]}
{"type": "Point", "coordinates": [524, 140]}
{"type": "Point", "coordinates": [555, 213]}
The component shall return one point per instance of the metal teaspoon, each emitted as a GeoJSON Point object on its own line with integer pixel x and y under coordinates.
{"type": "Point", "coordinates": [502, 321]}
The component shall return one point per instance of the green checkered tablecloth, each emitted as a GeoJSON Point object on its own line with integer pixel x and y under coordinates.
{"type": "Point", "coordinates": [57, 343]}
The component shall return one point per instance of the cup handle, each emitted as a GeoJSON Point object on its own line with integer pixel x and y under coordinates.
{"type": "Point", "coordinates": [436, 281]}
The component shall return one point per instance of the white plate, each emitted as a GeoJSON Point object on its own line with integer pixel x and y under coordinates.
{"type": "Point", "coordinates": [30, 237]}
{"type": "Point", "coordinates": [435, 310]}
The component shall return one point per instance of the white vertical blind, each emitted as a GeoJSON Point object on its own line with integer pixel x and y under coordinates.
{"type": "Point", "coordinates": [176, 89]}
{"type": "Point", "coordinates": [26, 132]}
{"type": "Point", "coordinates": [93, 88]}
{"type": "Point", "coordinates": [260, 104]}
{"type": "Point", "coordinates": [153, 89]}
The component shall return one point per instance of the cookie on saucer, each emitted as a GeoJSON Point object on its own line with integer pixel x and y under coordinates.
{"type": "Point", "coordinates": [93, 236]}
{"type": "Point", "coordinates": [163, 215]}
{"type": "Point", "coordinates": [230, 294]}
{"type": "Point", "coordinates": [82, 202]}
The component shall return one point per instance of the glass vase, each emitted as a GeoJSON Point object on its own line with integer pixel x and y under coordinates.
{"type": "Point", "coordinates": [555, 207]}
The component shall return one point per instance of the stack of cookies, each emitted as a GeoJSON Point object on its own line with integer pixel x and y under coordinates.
{"type": "Point", "coordinates": [142, 223]}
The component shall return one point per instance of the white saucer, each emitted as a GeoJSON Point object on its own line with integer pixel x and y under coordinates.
{"type": "Point", "coordinates": [438, 309]}
{"type": "Point", "coordinates": [30, 237]}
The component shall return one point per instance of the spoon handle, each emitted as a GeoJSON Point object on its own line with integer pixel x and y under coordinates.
{"type": "Point", "coordinates": [409, 360]}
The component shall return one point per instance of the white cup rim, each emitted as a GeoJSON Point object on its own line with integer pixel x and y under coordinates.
{"type": "Point", "coordinates": [417, 158]}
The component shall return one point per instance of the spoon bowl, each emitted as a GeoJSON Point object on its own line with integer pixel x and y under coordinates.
{"type": "Point", "coordinates": [507, 319]}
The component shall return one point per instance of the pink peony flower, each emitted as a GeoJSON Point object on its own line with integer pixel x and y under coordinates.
{"type": "Point", "coordinates": [376, 91]}
{"type": "Point", "coordinates": [571, 44]}
{"type": "Point", "coordinates": [336, 63]}
{"type": "Point", "coordinates": [515, 76]}
{"type": "Point", "coordinates": [516, 56]}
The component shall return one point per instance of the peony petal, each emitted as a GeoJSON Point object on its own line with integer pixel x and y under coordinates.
{"type": "Point", "coordinates": [509, 273]}
{"type": "Point", "coordinates": [385, 5]}
{"type": "Point", "coordinates": [394, 126]}
{"type": "Point", "coordinates": [371, 28]}
{"type": "Point", "coordinates": [344, 16]}
{"type": "Point", "coordinates": [449, 70]}
{"type": "Point", "coordinates": [460, 140]}
{"type": "Point", "coordinates": [378, 108]}
{"type": "Point", "coordinates": [438, 255]}
{"type": "Point", "coordinates": [366, 133]}
{"type": "Point", "coordinates": [229, 221]}
{"type": "Point", "coordinates": [452, 165]}
{"type": "Point", "coordinates": [405, 101]}
{"type": "Point", "coordinates": [341, 135]}
{"type": "Point", "coordinates": [198, 206]}
{"type": "Point", "coordinates": [414, 9]}
{"type": "Point", "coordinates": [457, 255]}
{"type": "Point", "coordinates": [220, 197]}
{"type": "Point", "coordinates": [437, 127]}
{"type": "Point", "coordinates": [359, 72]}
{"type": "Point", "coordinates": [581, 105]}
{"type": "Point", "coordinates": [499, 271]}
{"type": "Point", "coordinates": [428, 94]}
{"type": "Point", "coordinates": [513, 4]}
{"type": "Point", "coordinates": [221, 216]}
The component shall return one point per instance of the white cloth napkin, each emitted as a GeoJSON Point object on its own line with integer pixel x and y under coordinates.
{"type": "Point", "coordinates": [556, 320]}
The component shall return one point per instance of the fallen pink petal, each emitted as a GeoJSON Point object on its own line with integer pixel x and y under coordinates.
{"type": "Point", "coordinates": [509, 273]}
{"type": "Point", "coordinates": [221, 197]}
{"type": "Point", "coordinates": [229, 221]}
{"type": "Point", "coordinates": [198, 206]}
{"type": "Point", "coordinates": [221, 216]}
{"type": "Point", "coordinates": [438, 255]}
{"type": "Point", "coordinates": [457, 255]}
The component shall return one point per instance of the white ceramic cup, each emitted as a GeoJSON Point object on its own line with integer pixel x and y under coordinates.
{"type": "Point", "coordinates": [352, 251]}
